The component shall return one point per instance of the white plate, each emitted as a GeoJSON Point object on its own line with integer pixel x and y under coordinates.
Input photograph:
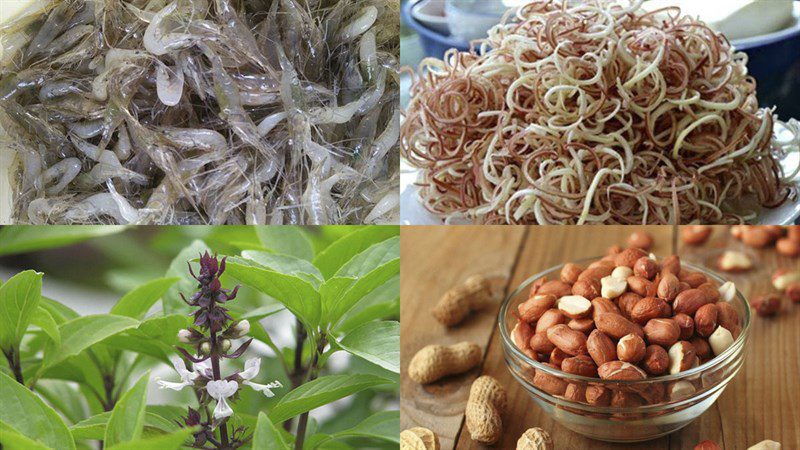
{"type": "Point", "coordinates": [413, 213]}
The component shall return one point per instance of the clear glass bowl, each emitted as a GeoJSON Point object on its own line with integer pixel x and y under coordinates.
{"type": "Point", "coordinates": [673, 401]}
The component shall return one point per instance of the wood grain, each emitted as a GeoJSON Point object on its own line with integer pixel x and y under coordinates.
{"type": "Point", "coordinates": [762, 402]}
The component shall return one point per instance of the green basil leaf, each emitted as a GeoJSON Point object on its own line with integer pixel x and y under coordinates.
{"type": "Point", "coordinates": [289, 265]}
{"type": "Point", "coordinates": [79, 334]}
{"type": "Point", "coordinates": [59, 311]}
{"type": "Point", "coordinates": [44, 320]}
{"type": "Point", "coordinates": [342, 250]}
{"type": "Point", "coordinates": [337, 304]}
{"type": "Point", "coordinates": [163, 328]}
{"type": "Point", "coordinates": [286, 240]}
{"type": "Point", "coordinates": [320, 392]}
{"type": "Point", "coordinates": [154, 336]}
{"type": "Point", "coordinates": [186, 285]}
{"type": "Point", "coordinates": [28, 239]}
{"type": "Point", "coordinates": [331, 294]}
{"type": "Point", "coordinates": [172, 441]}
{"type": "Point", "coordinates": [297, 295]}
{"type": "Point", "coordinates": [375, 256]}
{"type": "Point", "coordinates": [65, 398]}
{"type": "Point", "coordinates": [384, 425]}
{"type": "Point", "coordinates": [11, 440]}
{"type": "Point", "coordinates": [141, 345]}
{"type": "Point", "coordinates": [95, 427]}
{"type": "Point", "coordinates": [127, 418]}
{"type": "Point", "coordinates": [137, 302]}
{"type": "Point", "coordinates": [267, 436]}
{"type": "Point", "coordinates": [382, 303]}
{"type": "Point", "coordinates": [377, 342]}
{"type": "Point", "coordinates": [25, 412]}
{"type": "Point", "coordinates": [19, 298]}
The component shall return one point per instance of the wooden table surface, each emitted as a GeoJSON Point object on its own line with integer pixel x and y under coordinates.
{"type": "Point", "coordinates": [762, 402]}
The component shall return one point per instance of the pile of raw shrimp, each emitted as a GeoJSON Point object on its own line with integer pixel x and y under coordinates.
{"type": "Point", "coordinates": [594, 113]}
{"type": "Point", "coordinates": [203, 111]}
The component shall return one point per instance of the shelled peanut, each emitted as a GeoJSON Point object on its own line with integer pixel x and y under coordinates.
{"type": "Point", "coordinates": [627, 316]}
{"type": "Point", "coordinates": [785, 239]}
{"type": "Point", "coordinates": [707, 445]}
{"type": "Point", "coordinates": [695, 234]}
{"type": "Point", "coordinates": [787, 283]}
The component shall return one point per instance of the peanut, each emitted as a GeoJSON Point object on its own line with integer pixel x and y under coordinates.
{"type": "Point", "coordinates": [598, 396]}
{"type": "Point", "coordinates": [568, 340]}
{"type": "Point", "coordinates": [793, 292]}
{"type": "Point", "coordinates": [707, 445]}
{"type": "Point", "coordinates": [766, 305]}
{"type": "Point", "coordinates": [680, 389]}
{"type": "Point", "coordinates": [695, 234]}
{"type": "Point", "coordinates": [640, 239]}
{"type": "Point", "coordinates": [582, 365]}
{"type": "Point", "coordinates": [681, 357]}
{"type": "Point", "coordinates": [631, 348]}
{"type": "Point", "coordinates": [551, 384]}
{"type": "Point", "coordinates": [612, 287]}
{"type": "Point", "coordinates": [533, 308]}
{"type": "Point", "coordinates": [485, 407]}
{"type": "Point", "coordinates": [732, 261]}
{"type": "Point", "coordinates": [783, 278]}
{"type": "Point", "coordinates": [656, 360]}
{"type": "Point", "coordinates": [705, 319]}
{"type": "Point", "coordinates": [575, 306]}
{"type": "Point", "coordinates": [645, 268]}
{"type": "Point", "coordinates": [788, 247]}
{"type": "Point", "coordinates": [601, 348]}
{"type": "Point", "coordinates": [419, 438]}
{"type": "Point", "coordinates": [570, 273]}
{"type": "Point", "coordinates": [662, 331]}
{"type": "Point", "coordinates": [720, 340]}
{"type": "Point", "coordinates": [434, 362]}
{"type": "Point", "coordinates": [535, 439]}
{"type": "Point", "coordinates": [457, 303]}
{"type": "Point", "coordinates": [757, 237]}
{"type": "Point", "coordinates": [766, 445]}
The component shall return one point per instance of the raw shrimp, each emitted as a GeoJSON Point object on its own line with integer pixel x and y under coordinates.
{"type": "Point", "coordinates": [55, 23]}
{"type": "Point", "coordinates": [67, 169]}
{"type": "Point", "coordinates": [169, 84]}
{"type": "Point", "coordinates": [160, 42]}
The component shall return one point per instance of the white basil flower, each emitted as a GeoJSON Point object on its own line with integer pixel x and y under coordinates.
{"type": "Point", "coordinates": [187, 376]}
{"type": "Point", "coordinates": [251, 367]}
{"type": "Point", "coordinates": [220, 390]}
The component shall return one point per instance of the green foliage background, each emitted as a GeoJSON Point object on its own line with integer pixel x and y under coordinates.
{"type": "Point", "coordinates": [86, 377]}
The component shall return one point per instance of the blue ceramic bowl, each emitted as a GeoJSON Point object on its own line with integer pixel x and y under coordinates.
{"type": "Point", "coordinates": [434, 43]}
{"type": "Point", "coordinates": [774, 59]}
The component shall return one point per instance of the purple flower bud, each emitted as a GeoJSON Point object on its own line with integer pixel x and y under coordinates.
{"type": "Point", "coordinates": [193, 418]}
{"type": "Point", "coordinates": [208, 265]}
{"type": "Point", "coordinates": [222, 266]}
{"type": "Point", "coordinates": [214, 285]}
{"type": "Point", "coordinates": [201, 317]}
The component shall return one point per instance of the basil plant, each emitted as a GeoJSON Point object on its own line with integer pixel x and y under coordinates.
{"type": "Point", "coordinates": [226, 337]}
